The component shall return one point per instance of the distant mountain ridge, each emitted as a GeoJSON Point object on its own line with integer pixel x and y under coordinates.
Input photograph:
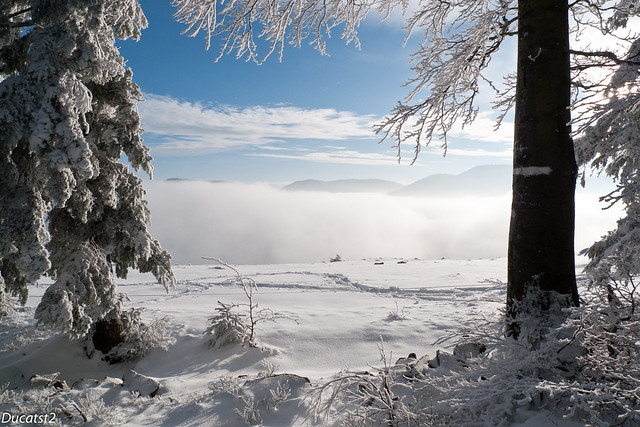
{"type": "Point", "coordinates": [345, 186]}
{"type": "Point", "coordinates": [481, 180]}
{"type": "Point", "coordinates": [213, 181]}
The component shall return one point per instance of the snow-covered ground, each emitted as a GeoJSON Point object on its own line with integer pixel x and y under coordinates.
{"type": "Point", "coordinates": [334, 316]}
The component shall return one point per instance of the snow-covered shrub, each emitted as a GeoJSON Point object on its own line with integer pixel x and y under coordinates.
{"type": "Point", "coordinates": [384, 397]}
{"type": "Point", "coordinates": [237, 322]}
{"type": "Point", "coordinates": [268, 369]}
{"type": "Point", "coordinates": [43, 401]}
{"type": "Point", "coordinates": [279, 394]}
{"type": "Point", "coordinates": [93, 409]}
{"type": "Point", "coordinates": [250, 413]}
{"type": "Point", "coordinates": [6, 303]}
{"type": "Point", "coordinates": [584, 366]}
{"type": "Point", "coordinates": [610, 376]}
{"type": "Point", "coordinates": [562, 368]}
{"type": "Point", "coordinates": [253, 410]}
{"type": "Point", "coordinates": [581, 365]}
{"type": "Point", "coordinates": [262, 400]}
{"type": "Point", "coordinates": [226, 384]}
{"type": "Point", "coordinates": [532, 329]}
{"type": "Point", "coordinates": [140, 337]}
{"type": "Point", "coordinates": [228, 326]}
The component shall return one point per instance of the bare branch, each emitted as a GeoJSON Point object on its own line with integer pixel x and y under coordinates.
{"type": "Point", "coordinates": [603, 54]}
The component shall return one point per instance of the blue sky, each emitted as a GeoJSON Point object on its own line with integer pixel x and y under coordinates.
{"type": "Point", "coordinates": [307, 117]}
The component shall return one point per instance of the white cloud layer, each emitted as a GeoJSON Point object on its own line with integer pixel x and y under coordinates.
{"type": "Point", "coordinates": [338, 155]}
{"type": "Point", "coordinates": [189, 128]}
{"type": "Point", "coordinates": [484, 129]}
{"type": "Point", "coordinates": [180, 128]}
{"type": "Point", "coordinates": [255, 223]}
{"type": "Point", "coordinates": [504, 154]}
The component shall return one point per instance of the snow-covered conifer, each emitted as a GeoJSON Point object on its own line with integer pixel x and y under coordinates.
{"type": "Point", "coordinates": [69, 209]}
{"type": "Point", "coordinates": [610, 143]}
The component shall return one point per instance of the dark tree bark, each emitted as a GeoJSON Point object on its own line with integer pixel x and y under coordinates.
{"type": "Point", "coordinates": [541, 235]}
{"type": "Point", "coordinates": [108, 334]}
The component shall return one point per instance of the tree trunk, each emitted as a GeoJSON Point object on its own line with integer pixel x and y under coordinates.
{"type": "Point", "coordinates": [541, 235]}
{"type": "Point", "coordinates": [108, 334]}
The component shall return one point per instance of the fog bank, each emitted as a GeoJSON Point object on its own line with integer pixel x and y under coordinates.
{"type": "Point", "coordinates": [255, 224]}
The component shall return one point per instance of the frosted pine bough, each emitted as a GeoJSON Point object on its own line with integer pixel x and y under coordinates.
{"type": "Point", "coordinates": [69, 209]}
{"type": "Point", "coordinates": [610, 144]}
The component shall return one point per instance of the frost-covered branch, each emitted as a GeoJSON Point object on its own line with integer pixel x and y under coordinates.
{"type": "Point", "coordinates": [460, 38]}
{"type": "Point", "coordinates": [7, 19]}
{"type": "Point", "coordinates": [8, 24]}
{"type": "Point", "coordinates": [607, 142]}
{"type": "Point", "coordinates": [240, 22]}
{"type": "Point", "coordinates": [610, 56]}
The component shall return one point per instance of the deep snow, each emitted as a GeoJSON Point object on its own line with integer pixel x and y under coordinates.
{"type": "Point", "coordinates": [335, 315]}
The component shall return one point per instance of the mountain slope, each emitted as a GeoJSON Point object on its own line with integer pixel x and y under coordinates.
{"type": "Point", "coordinates": [481, 180]}
{"type": "Point", "coordinates": [345, 186]}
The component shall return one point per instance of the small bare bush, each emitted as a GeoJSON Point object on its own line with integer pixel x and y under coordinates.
{"type": "Point", "coordinates": [237, 322]}
{"type": "Point", "coordinates": [397, 313]}
{"type": "Point", "coordinates": [364, 398]}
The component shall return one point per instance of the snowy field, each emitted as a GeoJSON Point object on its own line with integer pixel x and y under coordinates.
{"type": "Point", "coordinates": [334, 318]}
{"type": "Point", "coordinates": [331, 316]}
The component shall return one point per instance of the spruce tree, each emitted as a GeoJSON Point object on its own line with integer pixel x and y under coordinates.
{"type": "Point", "coordinates": [70, 209]}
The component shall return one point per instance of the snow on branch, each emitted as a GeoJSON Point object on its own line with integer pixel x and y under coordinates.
{"type": "Point", "coordinates": [240, 22]}
{"type": "Point", "coordinates": [460, 38]}
{"type": "Point", "coordinates": [237, 322]}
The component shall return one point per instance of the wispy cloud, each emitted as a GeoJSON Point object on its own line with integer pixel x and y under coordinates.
{"type": "Point", "coordinates": [186, 128]}
{"type": "Point", "coordinates": [483, 129]}
{"type": "Point", "coordinates": [348, 157]}
{"type": "Point", "coordinates": [181, 128]}
{"type": "Point", "coordinates": [479, 153]}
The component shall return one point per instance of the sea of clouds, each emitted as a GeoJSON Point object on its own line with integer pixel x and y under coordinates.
{"type": "Point", "coordinates": [257, 223]}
